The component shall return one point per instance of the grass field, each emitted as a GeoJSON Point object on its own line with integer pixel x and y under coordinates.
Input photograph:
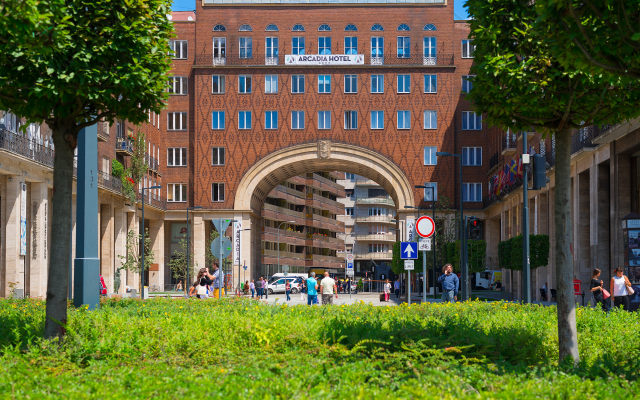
{"type": "Point", "coordinates": [236, 349]}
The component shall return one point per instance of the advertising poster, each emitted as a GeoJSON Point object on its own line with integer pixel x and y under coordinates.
{"type": "Point", "coordinates": [23, 219]}
{"type": "Point", "coordinates": [237, 243]}
{"type": "Point", "coordinates": [411, 229]}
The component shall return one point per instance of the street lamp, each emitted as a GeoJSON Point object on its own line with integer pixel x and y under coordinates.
{"type": "Point", "coordinates": [187, 283]}
{"type": "Point", "coordinates": [463, 242]}
{"type": "Point", "coordinates": [282, 223]}
{"type": "Point", "coordinates": [424, 260]}
{"type": "Point", "coordinates": [142, 242]}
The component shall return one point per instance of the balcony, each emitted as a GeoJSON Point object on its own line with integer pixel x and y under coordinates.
{"type": "Point", "coordinates": [375, 200]}
{"type": "Point", "coordinates": [109, 182]}
{"type": "Point", "coordinates": [530, 135]}
{"type": "Point", "coordinates": [494, 162]}
{"type": "Point", "coordinates": [152, 162]}
{"type": "Point", "coordinates": [30, 149]}
{"type": "Point", "coordinates": [124, 146]}
{"type": "Point", "coordinates": [508, 145]}
{"type": "Point", "coordinates": [153, 200]}
{"type": "Point", "coordinates": [325, 200]}
{"type": "Point", "coordinates": [378, 219]}
{"type": "Point", "coordinates": [387, 255]}
{"type": "Point", "coordinates": [236, 59]}
{"type": "Point", "coordinates": [365, 182]}
{"type": "Point", "coordinates": [103, 131]}
{"type": "Point", "coordinates": [288, 190]}
{"type": "Point", "coordinates": [316, 217]}
{"type": "Point", "coordinates": [284, 254]}
{"type": "Point", "coordinates": [376, 237]}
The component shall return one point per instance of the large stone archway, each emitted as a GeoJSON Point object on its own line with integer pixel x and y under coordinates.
{"type": "Point", "coordinates": [322, 155]}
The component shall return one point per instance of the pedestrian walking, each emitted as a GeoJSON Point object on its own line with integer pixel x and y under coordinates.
{"type": "Point", "coordinates": [327, 288]}
{"type": "Point", "coordinates": [597, 290]}
{"type": "Point", "coordinates": [387, 290]}
{"type": "Point", "coordinates": [265, 287]}
{"type": "Point", "coordinates": [312, 289]}
{"type": "Point", "coordinates": [259, 287]}
{"type": "Point", "coordinates": [449, 283]}
{"type": "Point", "coordinates": [245, 288]}
{"type": "Point", "coordinates": [218, 281]}
{"type": "Point", "coordinates": [252, 286]}
{"type": "Point", "coordinates": [287, 289]}
{"type": "Point", "coordinates": [203, 280]}
{"type": "Point", "coordinates": [179, 286]}
{"type": "Point", "coordinates": [303, 289]}
{"type": "Point", "coordinates": [396, 287]}
{"type": "Point", "coordinates": [620, 289]}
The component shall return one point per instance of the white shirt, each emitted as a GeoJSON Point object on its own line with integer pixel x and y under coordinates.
{"type": "Point", "coordinates": [619, 286]}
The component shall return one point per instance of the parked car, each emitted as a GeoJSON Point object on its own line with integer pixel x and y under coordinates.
{"type": "Point", "coordinates": [278, 285]}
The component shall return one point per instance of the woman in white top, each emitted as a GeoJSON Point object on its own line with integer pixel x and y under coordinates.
{"type": "Point", "coordinates": [619, 289]}
{"type": "Point", "coordinates": [387, 290]}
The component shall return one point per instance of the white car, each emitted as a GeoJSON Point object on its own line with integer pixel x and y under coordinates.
{"type": "Point", "coordinates": [278, 285]}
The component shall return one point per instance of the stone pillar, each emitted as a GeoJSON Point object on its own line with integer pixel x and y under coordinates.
{"type": "Point", "coordinates": [492, 235]}
{"type": "Point", "coordinates": [39, 240]}
{"type": "Point", "coordinates": [106, 245]}
{"type": "Point", "coordinates": [582, 220]}
{"type": "Point", "coordinates": [133, 224]}
{"type": "Point", "coordinates": [542, 211]}
{"type": "Point", "coordinates": [156, 235]}
{"type": "Point", "coordinates": [119, 244]}
{"type": "Point", "coordinates": [199, 243]}
{"type": "Point", "coordinates": [601, 217]}
{"type": "Point", "coordinates": [620, 192]}
{"type": "Point", "coordinates": [551, 271]}
{"type": "Point", "coordinates": [11, 235]}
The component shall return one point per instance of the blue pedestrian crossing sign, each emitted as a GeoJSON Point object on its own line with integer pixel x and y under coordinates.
{"type": "Point", "coordinates": [408, 250]}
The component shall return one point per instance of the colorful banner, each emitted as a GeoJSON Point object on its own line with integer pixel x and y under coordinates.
{"type": "Point", "coordinates": [237, 243]}
{"type": "Point", "coordinates": [324, 59]}
{"type": "Point", "coordinates": [23, 219]}
{"type": "Point", "coordinates": [411, 227]}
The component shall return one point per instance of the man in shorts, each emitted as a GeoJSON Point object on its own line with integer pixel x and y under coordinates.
{"type": "Point", "coordinates": [327, 288]}
{"type": "Point", "coordinates": [312, 289]}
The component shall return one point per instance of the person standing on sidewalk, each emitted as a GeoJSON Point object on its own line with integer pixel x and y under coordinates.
{"type": "Point", "coordinates": [327, 288]}
{"type": "Point", "coordinates": [265, 287]}
{"type": "Point", "coordinates": [303, 289]}
{"type": "Point", "coordinates": [396, 287]}
{"type": "Point", "coordinates": [252, 286]}
{"type": "Point", "coordinates": [449, 283]}
{"type": "Point", "coordinates": [620, 286]}
{"type": "Point", "coordinates": [287, 289]}
{"type": "Point", "coordinates": [312, 289]}
{"type": "Point", "coordinates": [387, 290]}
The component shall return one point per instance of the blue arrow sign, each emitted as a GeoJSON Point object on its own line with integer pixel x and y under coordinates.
{"type": "Point", "coordinates": [408, 250]}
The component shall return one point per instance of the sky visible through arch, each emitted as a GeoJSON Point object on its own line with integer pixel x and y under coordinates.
{"type": "Point", "coordinates": [190, 5]}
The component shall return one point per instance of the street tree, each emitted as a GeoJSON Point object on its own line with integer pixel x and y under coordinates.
{"type": "Point", "coordinates": [594, 33]}
{"type": "Point", "coordinates": [179, 264]}
{"type": "Point", "coordinates": [70, 64]}
{"type": "Point", "coordinates": [519, 85]}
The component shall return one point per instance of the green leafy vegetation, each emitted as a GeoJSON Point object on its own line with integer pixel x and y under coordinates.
{"type": "Point", "coordinates": [233, 349]}
{"type": "Point", "coordinates": [510, 252]}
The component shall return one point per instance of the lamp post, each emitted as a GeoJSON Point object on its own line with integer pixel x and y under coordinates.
{"type": "Point", "coordinates": [424, 259]}
{"type": "Point", "coordinates": [282, 223]}
{"type": "Point", "coordinates": [463, 242]}
{"type": "Point", "coordinates": [142, 243]}
{"type": "Point", "coordinates": [189, 245]}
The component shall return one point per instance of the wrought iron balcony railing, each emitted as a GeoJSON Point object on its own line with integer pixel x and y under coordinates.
{"type": "Point", "coordinates": [19, 144]}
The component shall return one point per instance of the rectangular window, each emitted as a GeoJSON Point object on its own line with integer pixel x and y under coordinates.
{"type": "Point", "coordinates": [348, 211]}
{"type": "Point", "coordinates": [350, 120]}
{"type": "Point", "coordinates": [472, 192]}
{"type": "Point", "coordinates": [271, 84]}
{"type": "Point", "coordinates": [178, 85]}
{"type": "Point", "coordinates": [403, 46]}
{"type": "Point", "coordinates": [297, 119]}
{"type": "Point", "coordinates": [324, 119]}
{"type": "Point", "coordinates": [377, 119]}
{"type": "Point", "coordinates": [217, 192]}
{"type": "Point", "coordinates": [377, 83]}
{"type": "Point", "coordinates": [430, 155]}
{"type": "Point", "coordinates": [431, 83]}
{"type": "Point", "coordinates": [244, 84]}
{"type": "Point", "coordinates": [297, 45]}
{"type": "Point", "coordinates": [119, 129]}
{"type": "Point", "coordinates": [404, 119]}
{"type": "Point", "coordinates": [324, 45]}
{"type": "Point", "coordinates": [244, 120]}
{"type": "Point", "coordinates": [246, 47]}
{"type": "Point", "coordinates": [217, 84]}
{"type": "Point", "coordinates": [376, 248]}
{"type": "Point", "coordinates": [467, 49]}
{"type": "Point", "coordinates": [350, 45]}
{"type": "Point", "coordinates": [429, 48]}
{"type": "Point", "coordinates": [271, 120]}
{"type": "Point", "coordinates": [176, 192]}
{"type": "Point", "coordinates": [429, 193]}
{"type": "Point", "coordinates": [177, 121]}
{"type": "Point", "coordinates": [350, 176]}
{"type": "Point", "coordinates": [351, 83]}
{"type": "Point", "coordinates": [404, 83]}
{"type": "Point", "coordinates": [297, 83]}
{"type": "Point", "coordinates": [472, 156]}
{"type": "Point", "coordinates": [430, 119]}
{"type": "Point", "coordinates": [219, 49]}
{"type": "Point", "coordinates": [324, 83]}
{"type": "Point", "coordinates": [466, 83]}
{"type": "Point", "coordinates": [217, 118]}
{"type": "Point", "coordinates": [179, 49]}
{"type": "Point", "coordinates": [217, 156]}
{"type": "Point", "coordinates": [271, 47]}
{"type": "Point", "coordinates": [177, 157]}
{"type": "Point", "coordinates": [377, 47]}
{"type": "Point", "coordinates": [471, 121]}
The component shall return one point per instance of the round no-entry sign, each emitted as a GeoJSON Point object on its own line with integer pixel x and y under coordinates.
{"type": "Point", "coordinates": [425, 226]}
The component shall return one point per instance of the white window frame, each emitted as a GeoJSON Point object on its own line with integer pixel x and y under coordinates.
{"type": "Point", "coordinates": [377, 117]}
{"type": "Point", "coordinates": [241, 87]}
{"type": "Point", "coordinates": [274, 49]}
{"type": "Point", "coordinates": [466, 187]}
{"type": "Point", "coordinates": [408, 46]}
{"type": "Point", "coordinates": [171, 188]}
{"type": "Point", "coordinates": [350, 49]}
{"type": "Point", "coordinates": [271, 119]}
{"type": "Point", "coordinates": [220, 152]}
{"type": "Point", "coordinates": [323, 85]}
{"type": "Point", "coordinates": [377, 51]}
{"type": "Point", "coordinates": [427, 192]}
{"type": "Point", "coordinates": [296, 115]}
{"type": "Point", "coordinates": [271, 82]}
{"type": "Point", "coordinates": [179, 49]}
{"type": "Point", "coordinates": [301, 45]}
{"type": "Point", "coordinates": [353, 83]}
{"type": "Point", "coordinates": [178, 155]}
{"type": "Point", "coordinates": [178, 85]}
{"type": "Point", "coordinates": [221, 196]}
{"type": "Point", "coordinates": [324, 49]}
{"type": "Point", "coordinates": [324, 116]}
{"type": "Point", "coordinates": [468, 117]}
{"type": "Point", "coordinates": [219, 48]}
{"type": "Point", "coordinates": [403, 78]}
{"type": "Point", "coordinates": [221, 84]}
{"type": "Point", "coordinates": [349, 211]}
{"type": "Point", "coordinates": [242, 118]}
{"type": "Point", "coordinates": [430, 118]}
{"type": "Point", "coordinates": [246, 49]}
{"type": "Point", "coordinates": [408, 119]}
{"type": "Point", "coordinates": [298, 79]}
{"type": "Point", "coordinates": [379, 78]}
{"type": "Point", "coordinates": [467, 85]}
{"type": "Point", "coordinates": [350, 119]}
{"type": "Point", "coordinates": [429, 155]}
{"type": "Point", "coordinates": [468, 48]}
{"type": "Point", "coordinates": [429, 46]}
{"type": "Point", "coordinates": [182, 119]}
{"type": "Point", "coordinates": [477, 156]}
{"type": "Point", "coordinates": [429, 83]}
{"type": "Point", "coordinates": [219, 113]}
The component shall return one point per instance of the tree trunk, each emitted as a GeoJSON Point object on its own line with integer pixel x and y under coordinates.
{"type": "Point", "coordinates": [567, 332]}
{"type": "Point", "coordinates": [64, 139]}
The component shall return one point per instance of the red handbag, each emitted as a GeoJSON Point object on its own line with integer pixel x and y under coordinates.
{"type": "Point", "coordinates": [605, 294]}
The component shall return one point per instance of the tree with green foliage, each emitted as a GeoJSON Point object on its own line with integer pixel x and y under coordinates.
{"type": "Point", "coordinates": [132, 261]}
{"type": "Point", "coordinates": [518, 84]}
{"type": "Point", "coordinates": [603, 34]}
{"type": "Point", "coordinates": [179, 265]}
{"type": "Point", "coordinates": [70, 64]}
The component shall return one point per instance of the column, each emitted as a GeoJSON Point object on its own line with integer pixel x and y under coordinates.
{"type": "Point", "coordinates": [582, 239]}
{"type": "Point", "coordinates": [11, 236]}
{"type": "Point", "coordinates": [199, 238]}
{"type": "Point", "coordinates": [601, 217]}
{"type": "Point", "coordinates": [119, 244]}
{"type": "Point", "coordinates": [620, 192]}
{"type": "Point", "coordinates": [39, 226]}
{"type": "Point", "coordinates": [106, 245]}
{"type": "Point", "coordinates": [133, 224]}
{"type": "Point", "coordinates": [156, 235]}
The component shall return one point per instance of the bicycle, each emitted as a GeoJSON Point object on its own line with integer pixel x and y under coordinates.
{"type": "Point", "coordinates": [154, 288]}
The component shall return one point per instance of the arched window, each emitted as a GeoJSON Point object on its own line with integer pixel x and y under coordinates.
{"type": "Point", "coordinates": [246, 28]}
{"type": "Point", "coordinates": [298, 28]}
{"type": "Point", "coordinates": [377, 28]}
{"type": "Point", "coordinates": [350, 28]}
{"type": "Point", "coordinates": [272, 28]}
{"type": "Point", "coordinates": [403, 27]}
{"type": "Point", "coordinates": [324, 28]}
{"type": "Point", "coordinates": [219, 28]}
{"type": "Point", "coordinates": [429, 27]}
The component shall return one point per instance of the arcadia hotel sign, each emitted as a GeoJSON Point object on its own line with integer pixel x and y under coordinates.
{"type": "Point", "coordinates": [324, 59]}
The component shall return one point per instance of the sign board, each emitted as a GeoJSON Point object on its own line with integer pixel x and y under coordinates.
{"type": "Point", "coordinates": [408, 250]}
{"type": "Point", "coordinates": [285, 268]}
{"type": "Point", "coordinates": [411, 227]}
{"type": "Point", "coordinates": [424, 244]}
{"type": "Point", "coordinates": [425, 226]}
{"type": "Point", "coordinates": [408, 265]}
{"type": "Point", "coordinates": [237, 243]}
{"type": "Point", "coordinates": [349, 272]}
{"type": "Point", "coordinates": [23, 219]}
{"type": "Point", "coordinates": [632, 224]}
{"type": "Point", "coordinates": [324, 59]}
{"type": "Point", "coordinates": [350, 257]}
{"type": "Point", "coordinates": [349, 266]}
{"type": "Point", "coordinates": [223, 242]}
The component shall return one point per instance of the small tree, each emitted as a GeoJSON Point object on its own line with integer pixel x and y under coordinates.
{"type": "Point", "coordinates": [132, 262]}
{"type": "Point", "coordinates": [178, 263]}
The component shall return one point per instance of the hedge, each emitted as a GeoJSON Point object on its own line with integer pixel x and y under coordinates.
{"type": "Point", "coordinates": [510, 252]}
